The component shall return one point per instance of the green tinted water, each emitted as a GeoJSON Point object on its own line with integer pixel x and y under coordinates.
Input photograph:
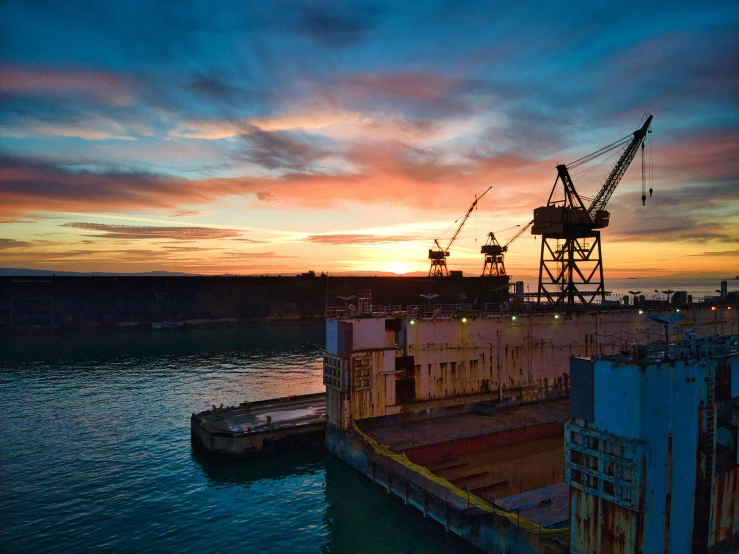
{"type": "Point", "coordinates": [95, 451]}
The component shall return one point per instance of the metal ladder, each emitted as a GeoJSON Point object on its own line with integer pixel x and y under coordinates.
{"type": "Point", "coordinates": [710, 413]}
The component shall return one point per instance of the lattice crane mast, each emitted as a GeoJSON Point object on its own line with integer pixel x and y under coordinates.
{"type": "Point", "coordinates": [571, 265]}
{"type": "Point", "coordinates": [495, 252]}
{"type": "Point", "coordinates": [438, 255]}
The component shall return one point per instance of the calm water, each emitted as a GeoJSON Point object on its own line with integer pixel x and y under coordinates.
{"type": "Point", "coordinates": [95, 451]}
{"type": "Point", "coordinates": [652, 287]}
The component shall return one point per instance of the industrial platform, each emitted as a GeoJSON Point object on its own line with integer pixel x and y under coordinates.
{"type": "Point", "coordinates": [251, 428]}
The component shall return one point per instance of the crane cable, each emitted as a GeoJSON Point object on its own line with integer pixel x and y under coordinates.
{"type": "Point", "coordinates": [643, 177]}
{"type": "Point", "coordinates": [607, 148]}
{"type": "Point", "coordinates": [591, 169]}
{"type": "Point", "coordinates": [649, 161]}
{"type": "Point", "coordinates": [646, 167]}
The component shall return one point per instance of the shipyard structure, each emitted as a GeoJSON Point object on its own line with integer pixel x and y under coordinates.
{"type": "Point", "coordinates": [581, 432]}
{"type": "Point", "coordinates": [110, 302]}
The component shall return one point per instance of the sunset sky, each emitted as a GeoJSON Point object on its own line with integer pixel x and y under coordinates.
{"type": "Point", "coordinates": [284, 136]}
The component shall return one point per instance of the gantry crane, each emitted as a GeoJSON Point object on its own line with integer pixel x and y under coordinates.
{"type": "Point", "coordinates": [571, 267]}
{"type": "Point", "coordinates": [438, 255]}
{"type": "Point", "coordinates": [495, 253]}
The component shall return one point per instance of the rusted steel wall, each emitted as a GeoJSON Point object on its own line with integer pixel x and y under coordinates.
{"type": "Point", "coordinates": [519, 359]}
{"type": "Point", "coordinates": [725, 510]}
{"type": "Point", "coordinates": [458, 361]}
{"type": "Point", "coordinates": [427, 453]}
{"type": "Point", "coordinates": [598, 526]}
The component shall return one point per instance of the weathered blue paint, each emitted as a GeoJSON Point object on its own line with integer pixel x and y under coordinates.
{"type": "Point", "coordinates": [651, 417]}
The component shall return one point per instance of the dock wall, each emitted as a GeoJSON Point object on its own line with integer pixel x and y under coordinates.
{"type": "Point", "coordinates": [477, 521]}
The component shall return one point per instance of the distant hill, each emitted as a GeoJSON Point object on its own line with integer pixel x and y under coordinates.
{"type": "Point", "coordinates": [21, 272]}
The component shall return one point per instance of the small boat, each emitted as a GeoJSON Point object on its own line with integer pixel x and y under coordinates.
{"type": "Point", "coordinates": [633, 277]}
{"type": "Point", "coordinates": [169, 325]}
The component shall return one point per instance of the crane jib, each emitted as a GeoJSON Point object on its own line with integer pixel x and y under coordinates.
{"type": "Point", "coordinates": [438, 255]}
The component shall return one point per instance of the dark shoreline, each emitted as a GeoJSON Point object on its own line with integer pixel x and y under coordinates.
{"type": "Point", "coordinates": [40, 304]}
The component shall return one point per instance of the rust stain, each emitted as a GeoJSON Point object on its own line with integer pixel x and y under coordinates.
{"type": "Point", "coordinates": [601, 526]}
{"type": "Point", "coordinates": [668, 496]}
{"type": "Point", "coordinates": [724, 515]}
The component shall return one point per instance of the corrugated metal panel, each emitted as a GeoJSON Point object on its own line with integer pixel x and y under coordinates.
{"type": "Point", "coordinates": [582, 401]}
{"type": "Point", "coordinates": [725, 511]}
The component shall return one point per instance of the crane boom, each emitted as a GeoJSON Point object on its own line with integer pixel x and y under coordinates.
{"type": "Point", "coordinates": [464, 219]}
{"type": "Point", "coordinates": [604, 195]}
{"type": "Point", "coordinates": [438, 255]}
{"type": "Point", "coordinates": [521, 232]}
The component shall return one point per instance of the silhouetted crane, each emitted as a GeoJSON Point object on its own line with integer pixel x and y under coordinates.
{"type": "Point", "coordinates": [495, 253]}
{"type": "Point", "coordinates": [438, 255]}
{"type": "Point", "coordinates": [571, 269]}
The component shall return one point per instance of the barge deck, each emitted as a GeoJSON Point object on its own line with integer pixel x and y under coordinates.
{"type": "Point", "coordinates": [251, 428]}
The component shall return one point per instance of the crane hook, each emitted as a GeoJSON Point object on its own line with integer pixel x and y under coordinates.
{"type": "Point", "coordinates": [643, 199]}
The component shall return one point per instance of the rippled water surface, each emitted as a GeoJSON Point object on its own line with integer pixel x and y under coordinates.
{"type": "Point", "coordinates": [95, 451]}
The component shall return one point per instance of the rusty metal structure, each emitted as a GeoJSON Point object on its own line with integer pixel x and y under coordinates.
{"type": "Point", "coordinates": [651, 448]}
{"type": "Point", "coordinates": [423, 403]}
{"type": "Point", "coordinates": [571, 263]}
{"type": "Point", "coordinates": [439, 254]}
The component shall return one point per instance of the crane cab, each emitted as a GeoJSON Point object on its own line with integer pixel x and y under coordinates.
{"type": "Point", "coordinates": [602, 219]}
{"type": "Point", "coordinates": [561, 219]}
{"type": "Point", "coordinates": [437, 254]}
{"type": "Point", "coordinates": [493, 249]}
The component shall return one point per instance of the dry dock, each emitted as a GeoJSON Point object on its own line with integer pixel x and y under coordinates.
{"type": "Point", "coordinates": [251, 428]}
{"type": "Point", "coordinates": [495, 478]}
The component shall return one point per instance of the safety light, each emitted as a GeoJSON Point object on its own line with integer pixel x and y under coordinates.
{"type": "Point", "coordinates": [713, 308]}
{"type": "Point", "coordinates": [556, 316]}
{"type": "Point", "coordinates": [513, 317]}
{"type": "Point", "coordinates": [678, 310]}
{"type": "Point", "coordinates": [641, 312]}
{"type": "Point", "coordinates": [413, 322]}
{"type": "Point", "coordinates": [464, 320]}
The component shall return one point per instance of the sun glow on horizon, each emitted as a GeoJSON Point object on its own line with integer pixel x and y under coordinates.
{"type": "Point", "coordinates": [399, 268]}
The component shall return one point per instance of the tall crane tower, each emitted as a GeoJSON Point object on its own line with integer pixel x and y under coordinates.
{"type": "Point", "coordinates": [571, 266]}
{"type": "Point", "coordinates": [438, 255]}
{"type": "Point", "coordinates": [495, 253]}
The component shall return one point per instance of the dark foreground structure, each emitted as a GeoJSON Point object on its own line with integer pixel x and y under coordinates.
{"type": "Point", "coordinates": [581, 432]}
{"type": "Point", "coordinates": [47, 303]}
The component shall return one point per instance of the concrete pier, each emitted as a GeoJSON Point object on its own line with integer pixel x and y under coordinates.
{"type": "Point", "coordinates": [250, 429]}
